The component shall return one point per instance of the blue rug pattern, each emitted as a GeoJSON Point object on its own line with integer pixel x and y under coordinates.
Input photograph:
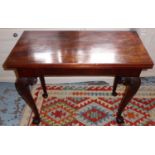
{"type": "Point", "coordinates": [11, 105]}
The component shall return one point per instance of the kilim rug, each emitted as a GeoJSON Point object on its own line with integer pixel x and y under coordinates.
{"type": "Point", "coordinates": [90, 105]}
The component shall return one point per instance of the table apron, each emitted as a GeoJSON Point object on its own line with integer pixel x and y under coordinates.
{"type": "Point", "coordinates": [132, 72]}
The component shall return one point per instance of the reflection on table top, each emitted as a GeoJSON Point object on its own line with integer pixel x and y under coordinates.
{"type": "Point", "coordinates": [79, 49]}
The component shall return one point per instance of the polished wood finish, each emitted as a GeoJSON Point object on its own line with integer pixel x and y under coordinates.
{"type": "Point", "coordinates": [79, 49]}
{"type": "Point", "coordinates": [117, 81]}
{"type": "Point", "coordinates": [22, 86]}
{"type": "Point", "coordinates": [77, 72]}
{"type": "Point", "coordinates": [82, 53]}
{"type": "Point", "coordinates": [132, 84]}
{"type": "Point", "coordinates": [42, 80]}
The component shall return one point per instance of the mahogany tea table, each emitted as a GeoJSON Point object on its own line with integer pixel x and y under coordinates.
{"type": "Point", "coordinates": [78, 53]}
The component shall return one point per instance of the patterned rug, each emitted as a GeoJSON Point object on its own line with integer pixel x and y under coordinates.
{"type": "Point", "coordinates": [90, 105]}
{"type": "Point", "coordinates": [11, 105]}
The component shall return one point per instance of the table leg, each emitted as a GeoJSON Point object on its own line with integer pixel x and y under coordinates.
{"type": "Point", "coordinates": [117, 80]}
{"type": "Point", "coordinates": [42, 80]}
{"type": "Point", "coordinates": [132, 84]}
{"type": "Point", "coordinates": [22, 86]}
{"type": "Point", "coordinates": [33, 81]}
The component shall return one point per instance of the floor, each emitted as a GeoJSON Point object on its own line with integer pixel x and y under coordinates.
{"type": "Point", "coordinates": [12, 105]}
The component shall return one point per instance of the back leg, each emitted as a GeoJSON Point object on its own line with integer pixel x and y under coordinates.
{"type": "Point", "coordinates": [116, 82]}
{"type": "Point", "coordinates": [42, 80]}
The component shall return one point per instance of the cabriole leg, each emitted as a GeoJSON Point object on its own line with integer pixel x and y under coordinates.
{"type": "Point", "coordinates": [132, 84]}
{"type": "Point", "coordinates": [22, 86]}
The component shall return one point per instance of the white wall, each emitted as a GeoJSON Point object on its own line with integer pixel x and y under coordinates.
{"type": "Point", "coordinates": [7, 42]}
{"type": "Point", "coordinates": [147, 35]}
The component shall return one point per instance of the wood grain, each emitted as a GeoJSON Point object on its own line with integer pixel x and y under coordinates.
{"type": "Point", "coordinates": [79, 49]}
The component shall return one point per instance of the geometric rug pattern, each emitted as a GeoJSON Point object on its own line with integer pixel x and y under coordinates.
{"type": "Point", "coordinates": [86, 105]}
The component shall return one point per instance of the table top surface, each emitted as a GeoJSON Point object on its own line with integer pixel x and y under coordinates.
{"type": "Point", "coordinates": [69, 49]}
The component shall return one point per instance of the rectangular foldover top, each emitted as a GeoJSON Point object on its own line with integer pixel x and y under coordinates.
{"type": "Point", "coordinates": [82, 49]}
